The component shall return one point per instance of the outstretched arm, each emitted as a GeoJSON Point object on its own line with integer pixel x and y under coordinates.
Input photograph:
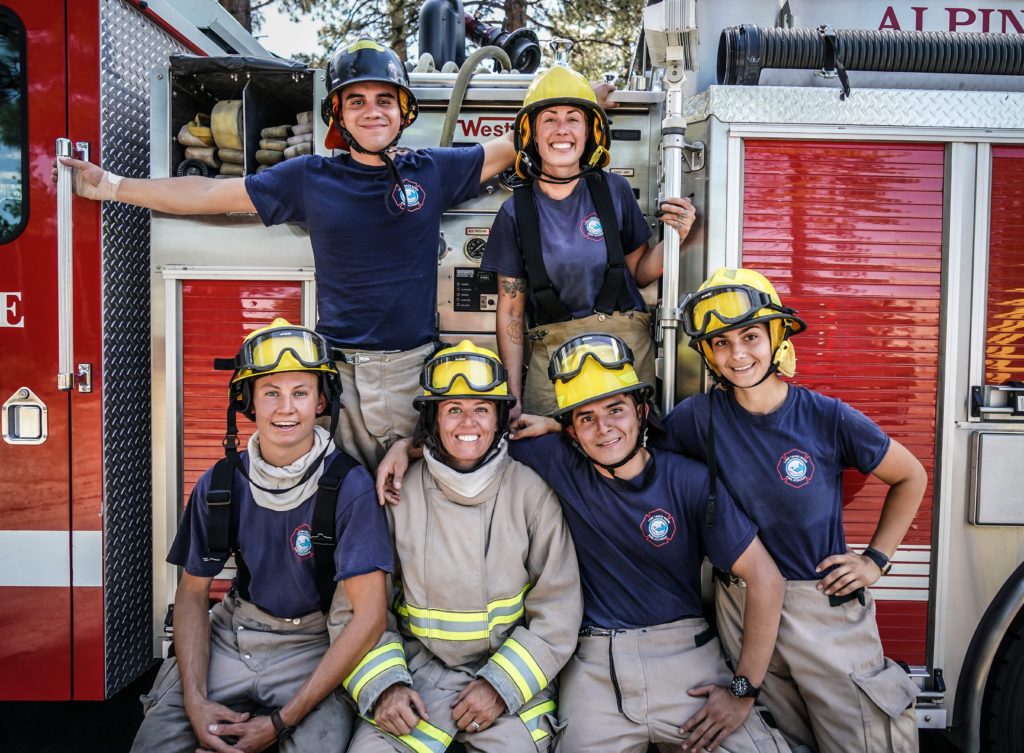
{"type": "Point", "coordinates": [189, 194]}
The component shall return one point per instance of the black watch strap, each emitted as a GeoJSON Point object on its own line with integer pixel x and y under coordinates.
{"type": "Point", "coordinates": [283, 730]}
{"type": "Point", "coordinates": [879, 559]}
{"type": "Point", "coordinates": [741, 687]}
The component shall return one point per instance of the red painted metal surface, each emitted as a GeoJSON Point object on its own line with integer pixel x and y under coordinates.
{"type": "Point", "coordinates": [35, 658]}
{"type": "Point", "coordinates": [216, 316]}
{"type": "Point", "coordinates": [851, 236]}
{"type": "Point", "coordinates": [86, 408]}
{"type": "Point", "coordinates": [1004, 324]}
{"type": "Point", "coordinates": [35, 653]}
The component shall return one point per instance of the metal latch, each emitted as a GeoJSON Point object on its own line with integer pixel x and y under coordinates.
{"type": "Point", "coordinates": [998, 402]}
{"type": "Point", "coordinates": [25, 418]}
{"type": "Point", "coordinates": [693, 156]}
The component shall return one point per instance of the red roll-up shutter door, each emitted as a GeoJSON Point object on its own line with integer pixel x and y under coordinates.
{"type": "Point", "coordinates": [851, 236]}
{"type": "Point", "coordinates": [1004, 322]}
{"type": "Point", "coordinates": [217, 315]}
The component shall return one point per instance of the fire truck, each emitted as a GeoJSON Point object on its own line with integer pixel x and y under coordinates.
{"type": "Point", "coordinates": [867, 157]}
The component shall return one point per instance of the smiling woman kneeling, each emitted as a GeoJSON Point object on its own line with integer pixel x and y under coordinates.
{"type": "Point", "coordinates": [490, 601]}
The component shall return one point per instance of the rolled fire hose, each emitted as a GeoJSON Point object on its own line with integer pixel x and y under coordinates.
{"type": "Point", "coordinates": [226, 124]}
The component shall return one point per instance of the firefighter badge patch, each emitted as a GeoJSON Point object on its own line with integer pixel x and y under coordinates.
{"type": "Point", "coordinates": [658, 527]}
{"type": "Point", "coordinates": [796, 468]}
{"type": "Point", "coordinates": [591, 228]}
{"type": "Point", "coordinates": [414, 196]}
{"type": "Point", "coordinates": [302, 542]}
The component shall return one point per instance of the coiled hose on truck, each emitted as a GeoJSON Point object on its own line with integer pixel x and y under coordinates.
{"type": "Point", "coordinates": [744, 51]}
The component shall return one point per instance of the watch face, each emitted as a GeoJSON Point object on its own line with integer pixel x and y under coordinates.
{"type": "Point", "coordinates": [741, 687]}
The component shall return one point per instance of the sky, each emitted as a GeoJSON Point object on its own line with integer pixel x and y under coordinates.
{"type": "Point", "coordinates": [285, 38]}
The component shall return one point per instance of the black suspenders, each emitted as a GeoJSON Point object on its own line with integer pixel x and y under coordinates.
{"type": "Point", "coordinates": [218, 524]}
{"type": "Point", "coordinates": [613, 295]}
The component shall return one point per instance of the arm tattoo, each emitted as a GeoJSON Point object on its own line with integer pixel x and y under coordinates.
{"type": "Point", "coordinates": [513, 286]}
{"type": "Point", "coordinates": [514, 330]}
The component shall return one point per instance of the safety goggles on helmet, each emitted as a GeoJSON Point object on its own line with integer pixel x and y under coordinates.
{"type": "Point", "coordinates": [480, 373]}
{"type": "Point", "coordinates": [264, 351]}
{"type": "Point", "coordinates": [607, 350]}
{"type": "Point", "coordinates": [728, 304]}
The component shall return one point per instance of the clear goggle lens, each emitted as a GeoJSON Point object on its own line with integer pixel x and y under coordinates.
{"type": "Point", "coordinates": [607, 350]}
{"type": "Point", "coordinates": [480, 373]}
{"type": "Point", "coordinates": [727, 304]}
{"type": "Point", "coordinates": [264, 351]}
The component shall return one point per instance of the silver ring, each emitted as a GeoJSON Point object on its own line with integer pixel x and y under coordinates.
{"type": "Point", "coordinates": [475, 724]}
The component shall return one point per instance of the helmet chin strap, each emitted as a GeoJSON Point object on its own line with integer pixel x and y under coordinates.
{"type": "Point", "coordinates": [389, 163]}
{"type": "Point", "coordinates": [230, 445]}
{"type": "Point", "coordinates": [721, 380]}
{"type": "Point", "coordinates": [641, 443]}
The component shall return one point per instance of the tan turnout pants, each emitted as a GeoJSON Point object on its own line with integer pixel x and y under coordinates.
{"type": "Point", "coordinates": [620, 693]}
{"type": "Point", "coordinates": [634, 327]}
{"type": "Point", "coordinates": [438, 686]}
{"type": "Point", "coordinates": [828, 686]}
{"type": "Point", "coordinates": [378, 388]}
{"type": "Point", "coordinates": [257, 663]}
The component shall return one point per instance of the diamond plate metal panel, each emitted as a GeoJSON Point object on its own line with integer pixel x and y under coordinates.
{"type": "Point", "coordinates": [898, 108]}
{"type": "Point", "coordinates": [130, 47]}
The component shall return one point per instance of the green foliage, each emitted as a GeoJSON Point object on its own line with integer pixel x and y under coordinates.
{"type": "Point", "coordinates": [604, 32]}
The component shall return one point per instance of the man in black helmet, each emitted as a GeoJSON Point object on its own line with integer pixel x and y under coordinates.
{"type": "Point", "coordinates": [373, 217]}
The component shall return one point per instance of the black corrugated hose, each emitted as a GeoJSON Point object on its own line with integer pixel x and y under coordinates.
{"type": "Point", "coordinates": [744, 51]}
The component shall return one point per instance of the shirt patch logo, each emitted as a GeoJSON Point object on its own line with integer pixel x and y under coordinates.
{"type": "Point", "coordinates": [796, 468]}
{"type": "Point", "coordinates": [591, 228]}
{"type": "Point", "coordinates": [414, 195]}
{"type": "Point", "coordinates": [302, 542]}
{"type": "Point", "coordinates": [658, 527]}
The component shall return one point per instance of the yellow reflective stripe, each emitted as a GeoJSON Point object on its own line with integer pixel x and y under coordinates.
{"type": "Point", "coordinates": [442, 624]}
{"type": "Point", "coordinates": [548, 707]}
{"type": "Point", "coordinates": [424, 738]}
{"type": "Point", "coordinates": [532, 716]}
{"type": "Point", "coordinates": [373, 664]}
{"type": "Point", "coordinates": [521, 668]}
{"type": "Point", "coordinates": [365, 44]}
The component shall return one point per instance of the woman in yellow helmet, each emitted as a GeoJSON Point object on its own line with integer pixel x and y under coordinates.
{"type": "Point", "coordinates": [259, 667]}
{"type": "Point", "coordinates": [571, 248]}
{"type": "Point", "coordinates": [781, 450]}
{"type": "Point", "coordinates": [648, 669]}
{"type": "Point", "coordinates": [490, 602]}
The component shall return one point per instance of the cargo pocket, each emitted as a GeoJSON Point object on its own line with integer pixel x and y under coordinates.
{"type": "Point", "coordinates": [543, 726]}
{"type": "Point", "coordinates": [760, 729]}
{"type": "Point", "coordinates": [166, 678]}
{"type": "Point", "coordinates": [887, 699]}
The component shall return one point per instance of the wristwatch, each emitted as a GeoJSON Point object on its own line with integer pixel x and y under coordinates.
{"type": "Point", "coordinates": [282, 729]}
{"type": "Point", "coordinates": [741, 687]}
{"type": "Point", "coordinates": [879, 559]}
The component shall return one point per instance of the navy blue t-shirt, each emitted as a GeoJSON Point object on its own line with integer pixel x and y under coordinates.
{"type": "Point", "coordinates": [785, 469]}
{"type": "Point", "coordinates": [640, 543]}
{"type": "Point", "coordinates": [376, 274]}
{"type": "Point", "coordinates": [572, 242]}
{"type": "Point", "coordinates": [276, 545]}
